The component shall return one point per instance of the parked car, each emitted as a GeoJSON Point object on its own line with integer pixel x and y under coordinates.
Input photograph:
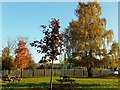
{"type": "Point", "coordinates": [113, 71]}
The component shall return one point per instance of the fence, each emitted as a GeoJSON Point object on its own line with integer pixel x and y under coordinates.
{"type": "Point", "coordinates": [57, 72]}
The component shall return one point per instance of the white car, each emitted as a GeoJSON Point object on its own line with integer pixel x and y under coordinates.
{"type": "Point", "coordinates": [116, 72]}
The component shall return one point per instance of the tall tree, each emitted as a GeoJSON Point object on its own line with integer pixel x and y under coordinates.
{"type": "Point", "coordinates": [23, 55]}
{"type": "Point", "coordinates": [51, 44]}
{"type": "Point", "coordinates": [87, 37]}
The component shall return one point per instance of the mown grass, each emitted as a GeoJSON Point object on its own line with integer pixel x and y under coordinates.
{"type": "Point", "coordinates": [81, 83]}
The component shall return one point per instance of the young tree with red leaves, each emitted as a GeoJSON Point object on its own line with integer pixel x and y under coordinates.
{"type": "Point", "coordinates": [51, 44]}
{"type": "Point", "coordinates": [23, 56]}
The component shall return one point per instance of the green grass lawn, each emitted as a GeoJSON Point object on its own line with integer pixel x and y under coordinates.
{"type": "Point", "coordinates": [43, 82]}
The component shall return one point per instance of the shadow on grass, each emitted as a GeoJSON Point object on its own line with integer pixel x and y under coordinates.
{"type": "Point", "coordinates": [45, 86]}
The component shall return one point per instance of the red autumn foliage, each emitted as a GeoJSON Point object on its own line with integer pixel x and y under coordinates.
{"type": "Point", "coordinates": [23, 56]}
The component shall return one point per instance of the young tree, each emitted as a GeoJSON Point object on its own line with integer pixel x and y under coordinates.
{"type": "Point", "coordinates": [87, 37]}
{"type": "Point", "coordinates": [7, 59]}
{"type": "Point", "coordinates": [51, 44]}
{"type": "Point", "coordinates": [23, 56]}
{"type": "Point", "coordinates": [32, 65]}
{"type": "Point", "coordinates": [44, 64]}
{"type": "Point", "coordinates": [114, 55]}
{"type": "Point", "coordinates": [12, 45]}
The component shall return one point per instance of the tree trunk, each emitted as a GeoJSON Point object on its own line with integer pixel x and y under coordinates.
{"type": "Point", "coordinates": [51, 77]}
{"type": "Point", "coordinates": [83, 72]}
{"type": "Point", "coordinates": [44, 71]}
{"type": "Point", "coordinates": [9, 72]}
{"type": "Point", "coordinates": [90, 53]}
{"type": "Point", "coordinates": [63, 71]}
{"type": "Point", "coordinates": [89, 70]}
{"type": "Point", "coordinates": [21, 72]}
{"type": "Point", "coordinates": [32, 72]}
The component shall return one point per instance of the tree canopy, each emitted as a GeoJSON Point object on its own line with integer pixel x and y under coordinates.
{"type": "Point", "coordinates": [7, 59]}
{"type": "Point", "coordinates": [23, 55]}
{"type": "Point", "coordinates": [87, 38]}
